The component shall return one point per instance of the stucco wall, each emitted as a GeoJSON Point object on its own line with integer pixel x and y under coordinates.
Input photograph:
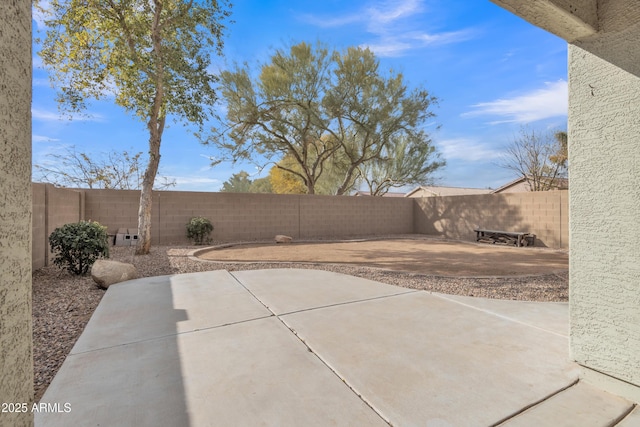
{"type": "Point", "coordinates": [39, 244]}
{"type": "Point", "coordinates": [16, 361]}
{"type": "Point", "coordinates": [604, 151]}
{"type": "Point", "coordinates": [604, 168]}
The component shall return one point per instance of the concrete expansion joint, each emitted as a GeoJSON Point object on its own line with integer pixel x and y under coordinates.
{"type": "Point", "coordinates": [340, 377]}
{"type": "Point", "coordinates": [534, 404]}
{"type": "Point", "coordinates": [308, 347]}
{"type": "Point", "coordinates": [320, 307]}
{"type": "Point", "coordinates": [493, 313]}
{"type": "Point", "coordinates": [161, 337]}
{"type": "Point", "coordinates": [622, 417]}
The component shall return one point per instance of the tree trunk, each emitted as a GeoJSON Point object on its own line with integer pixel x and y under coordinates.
{"type": "Point", "coordinates": [156, 127]}
{"type": "Point", "coordinates": [347, 179]}
{"type": "Point", "coordinates": [146, 193]}
{"type": "Point", "coordinates": [311, 186]}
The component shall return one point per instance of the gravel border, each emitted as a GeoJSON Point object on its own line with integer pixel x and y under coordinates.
{"type": "Point", "coordinates": [63, 303]}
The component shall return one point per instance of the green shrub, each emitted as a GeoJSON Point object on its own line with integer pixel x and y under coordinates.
{"type": "Point", "coordinates": [198, 229]}
{"type": "Point", "coordinates": [78, 245]}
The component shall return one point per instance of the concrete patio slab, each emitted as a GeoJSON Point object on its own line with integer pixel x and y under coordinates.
{"type": "Point", "coordinates": [632, 420]}
{"type": "Point", "coordinates": [552, 317]}
{"type": "Point", "coordinates": [587, 405]}
{"type": "Point", "coordinates": [203, 349]}
{"type": "Point", "coordinates": [424, 360]}
{"type": "Point", "coordinates": [246, 374]}
{"type": "Point", "coordinates": [290, 290]}
{"type": "Point", "coordinates": [158, 306]}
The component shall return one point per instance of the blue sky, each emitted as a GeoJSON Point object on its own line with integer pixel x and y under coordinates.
{"type": "Point", "coordinates": [492, 72]}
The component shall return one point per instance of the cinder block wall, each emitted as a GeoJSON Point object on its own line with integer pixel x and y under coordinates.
{"type": "Point", "coordinates": [52, 208]}
{"type": "Point", "coordinates": [238, 216]}
{"type": "Point", "coordinates": [543, 213]}
{"type": "Point", "coordinates": [114, 208]}
{"type": "Point", "coordinates": [349, 216]}
{"type": "Point", "coordinates": [235, 216]}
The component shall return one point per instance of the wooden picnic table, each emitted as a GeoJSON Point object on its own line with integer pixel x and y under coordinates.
{"type": "Point", "coordinates": [519, 238]}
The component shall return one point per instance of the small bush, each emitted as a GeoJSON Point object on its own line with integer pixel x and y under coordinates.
{"type": "Point", "coordinates": [199, 229]}
{"type": "Point", "coordinates": [78, 245]}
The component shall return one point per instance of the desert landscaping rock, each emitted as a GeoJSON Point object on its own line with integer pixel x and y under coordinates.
{"type": "Point", "coordinates": [106, 272]}
{"type": "Point", "coordinates": [280, 238]}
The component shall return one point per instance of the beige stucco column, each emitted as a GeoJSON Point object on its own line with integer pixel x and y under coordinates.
{"type": "Point", "coordinates": [16, 361]}
{"type": "Point", "coordinates": [604, 173]}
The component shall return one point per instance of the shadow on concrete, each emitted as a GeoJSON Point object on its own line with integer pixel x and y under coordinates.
{"type": "Point", "coordinates": [113, 364]}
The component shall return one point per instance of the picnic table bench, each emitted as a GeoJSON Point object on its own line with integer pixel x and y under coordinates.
{"type": "Point", "coordinates": [517, 238]}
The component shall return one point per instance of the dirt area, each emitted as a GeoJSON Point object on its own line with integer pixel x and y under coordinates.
{"type": "Point", "coordinates": [416, 255]}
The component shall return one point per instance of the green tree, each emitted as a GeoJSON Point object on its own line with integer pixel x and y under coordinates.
{"type": "Point", "coordinates": [373, 114]}
{"type": "Point", "coordinates": [333, 175]}
{"type": "Point", "coordinates": [238, 183]}
{"type": "Point", "coordinates": [561, 156]}
{"type": "Point", "coordinates": [539, 157]}
{"type": "Point", "coordinates": [284, 182]}
{"type": "Point", "coordinates": [320, 108]}
{"type": "Point", "coordinates": [279, 114]}
{"type": "Point", "coordinates": [404, 162]}
{"type": "Point", "coordinates": [261, 185]}
{"type": "Point", "coordinates": [112, 170]}
{"type": "Point", "coordinates": [153, 56]}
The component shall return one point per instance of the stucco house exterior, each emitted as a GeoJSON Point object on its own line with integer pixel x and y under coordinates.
{"type": "Point", "coordinates": [604, 200]}
{"type": "Point", "coordinates": [16, 360]}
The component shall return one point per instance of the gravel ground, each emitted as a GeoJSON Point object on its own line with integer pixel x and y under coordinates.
{"type": "Point", "coordinates": [63, 303]}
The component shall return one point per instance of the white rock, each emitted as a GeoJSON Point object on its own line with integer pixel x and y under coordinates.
{"type": "Point", "coordinates": [283, 239]}
{"type": "Point", "coordinates": [105, 273]}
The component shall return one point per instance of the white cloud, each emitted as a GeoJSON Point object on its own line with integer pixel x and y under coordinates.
{"type": "Point", "coordinates": [50, 116]}
{"type": "Point", "coordinates": [399, 44]}
{"type": "Point", "coordinates": [40, 138]}
{"type": "Point", "coordinates": [36, 62]}
{"type": "Point", "coordinates": [388, 48]}
{"type": "Point", "coordinates": [194, 183]}
{"type": "Point", "coordinates": [393, 22]}
{"type": "Point", "coordinates": [549, 101]}
{"type": "Point", "coordinates": [184, 180]}
{"type": "Point", "coordinates": [377, 16]}
{"type": "Point", "coordinates": [383, 14]}
{"type": "Point", "coordinates": [40, 13]}
{"type": "Point", "coordinates": [40, 82]}
{"type": "Point", "coordinates": [467, 149]}
{"type": "Point", "coordinates": [326, 22]}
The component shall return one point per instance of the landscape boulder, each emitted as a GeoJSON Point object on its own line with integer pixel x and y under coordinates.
{"type": "Point", "coordinates": [105, 273]}
{"type": "Point", "coordinates": [283, 239]}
